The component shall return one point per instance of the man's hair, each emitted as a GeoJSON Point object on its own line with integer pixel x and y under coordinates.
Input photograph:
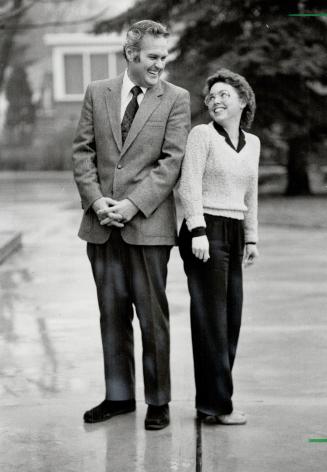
{"type": "Point", "coordinates": [138, 30]}
{"type": "Point", "coordinates": [243, 89]}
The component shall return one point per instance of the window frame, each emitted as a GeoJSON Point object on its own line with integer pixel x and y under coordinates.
{"type": "Point", "coordinates": [58, 59]}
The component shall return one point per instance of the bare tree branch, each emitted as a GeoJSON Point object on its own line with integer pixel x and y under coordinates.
{"type": "Point", "coordinates": [28, 26]}
{"type": "Point", "coordinates": [9, 13]}
{"type": "Point", "coordinates": [17, 11]}
{"type": "Point", "coordinates": [7, 44]}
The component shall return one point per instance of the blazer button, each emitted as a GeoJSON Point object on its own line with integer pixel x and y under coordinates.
{"type": "Point", "coordinates": [119, 166]}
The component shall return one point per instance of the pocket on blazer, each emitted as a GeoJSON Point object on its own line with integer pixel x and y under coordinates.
{"type": "Point", "coordinates": [156, 124]}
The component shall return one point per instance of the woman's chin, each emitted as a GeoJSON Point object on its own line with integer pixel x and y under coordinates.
{"type": "Point", "coordinates": [218, 119]}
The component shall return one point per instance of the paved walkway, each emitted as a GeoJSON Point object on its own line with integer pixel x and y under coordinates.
{"type": "Point", "coordinates": [51, 367]}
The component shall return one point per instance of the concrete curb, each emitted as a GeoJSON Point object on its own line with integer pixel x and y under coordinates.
{"type": "Point", "coordinates": [10, 241]}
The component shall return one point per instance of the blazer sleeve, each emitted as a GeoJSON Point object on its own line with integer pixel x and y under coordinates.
{"type": "Point", "coordinates": [84, 155]}
{"type": "Point", "coordinates": [160, 181]}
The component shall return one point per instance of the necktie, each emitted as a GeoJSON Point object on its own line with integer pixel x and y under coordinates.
{"type": "Point", "coordinates": [130, 112]}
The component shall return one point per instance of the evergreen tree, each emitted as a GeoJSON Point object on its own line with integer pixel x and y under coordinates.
{"type": "Point", "coordinates": [283, 57]}
{"type": "Point", "coordinates": [21, 110]}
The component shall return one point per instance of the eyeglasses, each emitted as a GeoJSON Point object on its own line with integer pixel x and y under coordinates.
{"type": "Point", "coordinates": [224, 96]}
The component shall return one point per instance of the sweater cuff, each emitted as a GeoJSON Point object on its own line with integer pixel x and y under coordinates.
{"type": "Point", "coordinates": [250, 236]}
{"type": "Point", "coordinates": [198, 231]}
{"type": "Point", "coordinates": [195, 221]}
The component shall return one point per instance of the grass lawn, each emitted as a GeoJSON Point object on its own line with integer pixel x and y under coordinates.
{"type": "Point", "coordinates": [306, 212]}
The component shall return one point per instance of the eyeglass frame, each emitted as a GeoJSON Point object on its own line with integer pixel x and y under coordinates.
{"type": "Point", "coordinates": [212, 96]}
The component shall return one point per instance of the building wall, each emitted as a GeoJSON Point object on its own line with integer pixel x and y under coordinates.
{"type": "Point", "coordinates": [68, 110]}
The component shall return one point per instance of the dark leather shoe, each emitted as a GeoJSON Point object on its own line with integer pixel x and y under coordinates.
{"type": "Point", "coordinates": [157, 417]}
{"type": "Point", "coordinates": [107, 409]}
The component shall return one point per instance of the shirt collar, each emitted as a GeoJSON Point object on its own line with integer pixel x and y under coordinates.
{"type": "Point", "coordinates": [128, 85]}
{"type": "Point", "coordinates": [241, 140]}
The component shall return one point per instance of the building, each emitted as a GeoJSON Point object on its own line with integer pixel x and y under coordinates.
{"type": "Point", "coordinates": [78, 59]}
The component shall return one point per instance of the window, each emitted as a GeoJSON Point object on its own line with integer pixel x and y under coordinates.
{"type": "Point", "coordinates": [75, 67]}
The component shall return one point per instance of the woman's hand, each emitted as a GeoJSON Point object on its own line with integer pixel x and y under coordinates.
{"type": "Point", "coordinates": [200, 247]}
{"type": "Point", "coordinates": [251, 253]}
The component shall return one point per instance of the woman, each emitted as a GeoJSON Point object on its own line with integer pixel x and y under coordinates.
{"type": "Point", "coordinates": [218, 190]}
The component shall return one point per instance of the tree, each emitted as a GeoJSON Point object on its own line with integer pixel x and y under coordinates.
{"type": "Point", "coordinates": [21, 110]}
{"type": "Point", "coordinates": [17, 16]}
{"type": "Point", "coordinates": [11, 13]}
{"type": "Point", "coordinates": [283, 57]}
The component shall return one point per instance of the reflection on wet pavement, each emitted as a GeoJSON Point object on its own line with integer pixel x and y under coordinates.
{"type": "Point", "coordinates": [10, 285]}
{"type": "Point", "coordinates": [19, 327]}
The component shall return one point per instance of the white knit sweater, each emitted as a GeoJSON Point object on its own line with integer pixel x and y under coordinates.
{"type": "Point", "coordinates": [220, 181]}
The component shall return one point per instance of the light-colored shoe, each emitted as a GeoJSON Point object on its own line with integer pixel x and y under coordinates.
{"type": "Point", "coordinates": [236, 417]}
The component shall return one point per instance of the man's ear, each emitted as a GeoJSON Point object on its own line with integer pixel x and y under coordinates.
{"type": "Point", "coordinates": [131, 53]}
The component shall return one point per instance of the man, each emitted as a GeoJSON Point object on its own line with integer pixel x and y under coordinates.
{"type": "Point", "coordinates": [126, 157]}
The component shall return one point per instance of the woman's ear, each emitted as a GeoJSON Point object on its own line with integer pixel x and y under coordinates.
{"type": "Point", "coordinates": [243, 103]}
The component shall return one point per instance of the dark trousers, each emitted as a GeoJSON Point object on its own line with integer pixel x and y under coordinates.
{"type": "Point", "coordinates": [127, 275]}
{"type": "Point", "coordinates": [216, 307]}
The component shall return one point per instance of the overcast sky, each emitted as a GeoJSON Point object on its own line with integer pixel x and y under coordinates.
{"type": "Point", "coordinates": [114, 6]}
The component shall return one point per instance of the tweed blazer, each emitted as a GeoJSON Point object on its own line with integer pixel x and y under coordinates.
{"type": "Point", "coordinates": [145, 169]}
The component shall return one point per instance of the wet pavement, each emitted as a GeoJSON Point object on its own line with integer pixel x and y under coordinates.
{"type": "Point", "coordinates": [51, 360]}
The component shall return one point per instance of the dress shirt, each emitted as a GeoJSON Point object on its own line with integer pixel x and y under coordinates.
{"type": "Point", "coordinates": [126, 94]}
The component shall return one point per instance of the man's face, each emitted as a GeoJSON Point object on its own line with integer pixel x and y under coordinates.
{"type": "Point", "coordinates": [146, 66]}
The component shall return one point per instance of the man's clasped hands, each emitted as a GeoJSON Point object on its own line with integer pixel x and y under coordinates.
{"type": "Point", "coordinates": [112, 212]}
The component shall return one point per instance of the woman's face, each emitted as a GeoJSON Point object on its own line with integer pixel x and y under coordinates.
{"type": "Point", "coordinates": [224, 103]}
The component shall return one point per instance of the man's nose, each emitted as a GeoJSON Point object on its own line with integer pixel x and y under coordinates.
{"type": "Point", "coordinates": [159, 64]}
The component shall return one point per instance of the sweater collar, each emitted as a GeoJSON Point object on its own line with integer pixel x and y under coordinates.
{"type": "Point", "coordinates": [241, 140]}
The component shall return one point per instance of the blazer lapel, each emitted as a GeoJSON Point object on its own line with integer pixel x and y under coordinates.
{"type": "Point", "coordinates": [150, 101]}
{"type": "Point", "coordinates": [113, 102]}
